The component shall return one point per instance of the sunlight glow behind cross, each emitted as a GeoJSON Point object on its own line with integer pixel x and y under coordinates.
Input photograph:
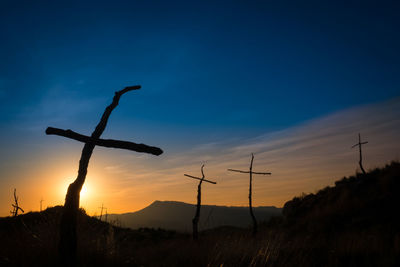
{"type": "Point", "coordinates": [86, 193]}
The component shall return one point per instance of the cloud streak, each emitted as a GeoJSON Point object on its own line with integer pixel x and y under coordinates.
{"type": "Point", "coordinates": [303, 158]}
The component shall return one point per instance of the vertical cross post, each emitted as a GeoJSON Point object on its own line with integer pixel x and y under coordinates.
{"type": "Point", "coordinates": [195, 220]}
{"type": "Point", "coordinates": [68, 226]}
{"type": "Point", "coordinates": [250, 172]}
{"type": "Point", "coordinates": [359, 144]}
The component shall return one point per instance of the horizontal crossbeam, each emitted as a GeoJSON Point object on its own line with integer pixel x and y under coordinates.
{"type": "Point", "coordinates": [262, 173]}
{"type": "Point", "coordinates": [104, 142]}
{"type": "Point", "coordinates": [194, 177]}
{"type": "Point", "coordinates": [17, 207]}
{"type": "Point", "coordinates": [363, 143]}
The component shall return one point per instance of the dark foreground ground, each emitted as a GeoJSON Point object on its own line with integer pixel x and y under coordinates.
{"type": "Point", "coordinates": [354, 223]}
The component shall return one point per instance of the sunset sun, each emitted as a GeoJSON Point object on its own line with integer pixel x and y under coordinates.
{"type": "Point", "coordinates": [85, 192]}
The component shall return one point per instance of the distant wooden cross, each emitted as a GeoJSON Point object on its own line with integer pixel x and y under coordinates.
{"type": "Point", "coordinates": [16, 206]}
{"type": "Point", "coordinates": [196, 218]}
{"type": "Point", "coordinates": [41, 200]}
{"type": "Point", "coordinates": [250, 172]}
{"type": "Point", "coordinates": [68, 234]}
{"type": "Point", "coordinates": [359, 144]}
{"type": "Point", "coordinates": [101, 210]}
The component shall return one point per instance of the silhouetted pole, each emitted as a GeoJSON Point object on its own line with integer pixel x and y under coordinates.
{"type": "Point", "coordinates": [68, 225]}
{"type": "Point", "coordinates": [101, 210]}
{"type": "Point", "coordinates": [106, 215]}
{"type": "Point", "coordinates": [41, 200]}
{"type": "Point", "coordinates": [196, 218]}
{"type": "Point", "coordinates": [359, 144]}
{"type": "Point", "coordinates": [16, 206]}
{"type": "Point", "coordinates": [250, 172]}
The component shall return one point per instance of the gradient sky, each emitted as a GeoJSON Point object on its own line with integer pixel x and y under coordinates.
{"type": "Point", "coordinates": [292, 81]}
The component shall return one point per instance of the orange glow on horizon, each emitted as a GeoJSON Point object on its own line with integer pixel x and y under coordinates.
{"type": "Point", "coordinates": [304, 159]}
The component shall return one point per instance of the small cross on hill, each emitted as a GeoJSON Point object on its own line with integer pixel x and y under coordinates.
{"type": "Point", "coordinates": [196, 218]}
{"type": "Point", "coordinates": [359, 144]}
{"type": "Point", "coordinates": [16, 206]}
{"type": "Point", "coordinates": [250, 172]}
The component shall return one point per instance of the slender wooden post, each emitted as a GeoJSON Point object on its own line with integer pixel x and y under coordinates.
{"type": "Point", "coordinates": [359, 144]}
{"type": "Point", "coordinates": [41, 201]}
{"type": "Point", "coordinates": [101, 210]}
{"type": "Point", "coordinates": [250, 172]}
{"type": "Point", "coordinates": [195, 220]}
{"type": "Point", "coordinates": [255, 226]}
{"type": "Point", "coordinates": [68, 226]}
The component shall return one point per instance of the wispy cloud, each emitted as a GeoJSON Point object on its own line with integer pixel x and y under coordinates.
{"type": "Point", "coordinates": [303, 158]}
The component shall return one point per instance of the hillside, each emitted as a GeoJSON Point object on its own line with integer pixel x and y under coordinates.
{"type": "Point", "coordinates": [31, 240]}
{"type": "Point", "coordinates": [355, 202]}
{"type": "Point", "coordinates": [354, 223]}
{"type": "Point", "coordinates": [173, 215]}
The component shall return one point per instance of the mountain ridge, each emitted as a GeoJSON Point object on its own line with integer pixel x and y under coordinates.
{"type": "Point", "coordinates": [176, 215]}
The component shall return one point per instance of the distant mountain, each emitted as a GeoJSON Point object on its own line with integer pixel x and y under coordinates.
{"type": "Point", "coordinates": [173, 215]}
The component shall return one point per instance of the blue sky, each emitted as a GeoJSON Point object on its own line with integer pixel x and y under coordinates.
{"type": "Point", "coordinates": [221, 66]}
{"type": "Point", "coordinates": [210, 70]}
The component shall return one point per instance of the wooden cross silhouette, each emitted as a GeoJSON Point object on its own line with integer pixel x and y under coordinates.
{"type": "Point", "coordinates": [16, 206]}
{"type": "Point", "coordinates": [195, 220]}
{"type": "Point", "coordinates": [250, 172]}
{"type": "Point", "coordinates": [68, 235]}
{"type": "Point", "coordinates": [359, 144]}
{"type": "Point", "coordinates": [101, 212]}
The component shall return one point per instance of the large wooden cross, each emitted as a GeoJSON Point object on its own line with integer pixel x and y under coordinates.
{"type": "Point", "coordinates": [250, 172]}
{"type": "Point", "coordinates": [196, 218]}
{"type": "Point", "coordinates": [359, 144]}
{"type": "Point", "coordinates": [68, 225]}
